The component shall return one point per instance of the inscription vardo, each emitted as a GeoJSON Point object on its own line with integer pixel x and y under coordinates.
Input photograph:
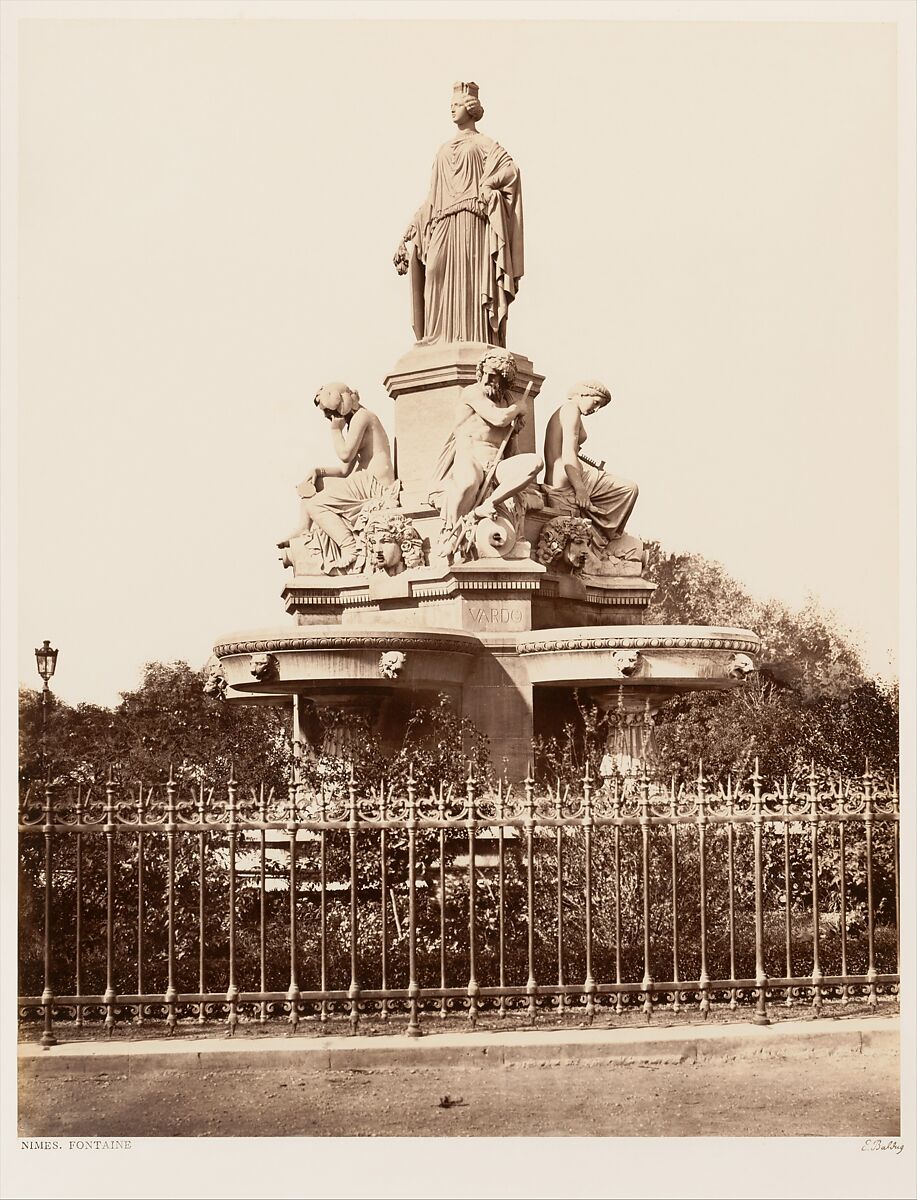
{"type": "Point", "coordinates": [495, 614]}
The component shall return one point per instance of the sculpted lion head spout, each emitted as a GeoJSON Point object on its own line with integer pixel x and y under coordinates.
{"type": "Point", "coordinates": [565, 544]}
{"type": "Point", "coordinates": [263, 666]}
{"type": "Point", "coordinates": [393, 544]}
{"type": "Point", "coordinates": [626, 661]}
{"type": "Point", "coordinates": [740, 667]}
{"type": "Point", "coordinates": [391, 664]}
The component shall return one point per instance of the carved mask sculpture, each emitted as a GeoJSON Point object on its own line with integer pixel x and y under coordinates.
{"type": "Point", "coordinates": [576, 552]}
{"type": "Point", "coordinates": [385, 554]}
{"type": "Point", "coordinates": [392, 543]}
{"type": "Point", "coordinates": [564, 544]}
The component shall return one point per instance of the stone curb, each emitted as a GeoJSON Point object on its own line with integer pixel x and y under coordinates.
{"type": "Point", "coordinates": [522, 1048]}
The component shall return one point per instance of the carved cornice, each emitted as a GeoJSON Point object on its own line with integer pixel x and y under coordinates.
{"type": "Point", "coordinates": [383, 640]}
{"type": "Point", "coordinates": [545, 644]}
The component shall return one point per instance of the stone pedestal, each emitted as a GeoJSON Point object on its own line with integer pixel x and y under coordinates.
{"type": "Point", "coordinates": [425, 385]}
{"type": "Point", "coordinates": [631, 744]}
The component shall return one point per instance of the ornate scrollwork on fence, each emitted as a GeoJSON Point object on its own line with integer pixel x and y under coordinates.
{"type": "Point", "coordinates": [553, 900]}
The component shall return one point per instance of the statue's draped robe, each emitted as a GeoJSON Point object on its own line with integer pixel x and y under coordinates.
{"type": "Point", "coordinates": [473, 258]}
{"type": "Point", "coordinates": [611, 501]}
{"type": "Point", "coordinates": [339, 510]}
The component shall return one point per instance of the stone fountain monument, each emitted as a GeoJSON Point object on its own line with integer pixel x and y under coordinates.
{"type": "Point", "coordinates": [460, 558]}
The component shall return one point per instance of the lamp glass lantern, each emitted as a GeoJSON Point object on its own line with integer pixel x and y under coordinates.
{"type": "Point", "coordinates": [46, 658]}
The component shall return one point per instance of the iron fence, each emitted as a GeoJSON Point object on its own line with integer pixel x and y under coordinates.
{"type": "Point", "coordinates": [336, 906]}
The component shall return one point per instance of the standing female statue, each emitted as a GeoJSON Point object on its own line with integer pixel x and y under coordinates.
{"type": "Point", "coordinates": [466, 259]}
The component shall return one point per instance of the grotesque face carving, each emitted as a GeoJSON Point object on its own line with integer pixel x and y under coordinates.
{"type": "Point", "coordinates": [263, 666]}
{"type": "Point", "coordinates": [392, 663]}
{"type": "Point", "coordinates": [626, 661]}
{"type": "Point", "coordinates": [740, 667]}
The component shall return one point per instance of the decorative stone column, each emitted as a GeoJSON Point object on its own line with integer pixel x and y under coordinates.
{"type": "Point", "coordinates": [631, 709]}
{"type": "Point", "coordinates": [340, 739]}
{"type": "Point", "coordinates": [425, 385]}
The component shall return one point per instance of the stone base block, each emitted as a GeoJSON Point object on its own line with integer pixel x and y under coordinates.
{"type": "Point", "coordinates": [425, 385]}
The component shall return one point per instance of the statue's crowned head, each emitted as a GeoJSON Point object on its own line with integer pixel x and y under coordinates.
{"type": "Point", "coordinates": [590, 395]}
{"type": "Point", "coordinates": [337, 400]}
{"type": "Point", "coordinates": [465, 95]}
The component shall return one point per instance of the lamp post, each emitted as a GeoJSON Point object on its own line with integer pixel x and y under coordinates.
{"type": "Point", "coordinates": [46, 658]}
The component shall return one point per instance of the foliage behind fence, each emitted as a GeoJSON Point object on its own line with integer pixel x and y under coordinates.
{"type": "Point", "coordinates": [235, 904]}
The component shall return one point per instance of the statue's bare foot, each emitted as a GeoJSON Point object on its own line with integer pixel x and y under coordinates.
{"type": "Point", "coordinates": [485, 509]}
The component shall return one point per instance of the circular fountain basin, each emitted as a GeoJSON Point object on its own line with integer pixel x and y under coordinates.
{"type": "Point", "coordinates": [329, 659]}
{"type": "Point", "coordinates": [671, 658]}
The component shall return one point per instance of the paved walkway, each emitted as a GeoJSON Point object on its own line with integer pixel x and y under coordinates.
{"type": "Point", "coordinates": [829, 1086]}
{"type": "Point", "coordinates": [676, 1044]}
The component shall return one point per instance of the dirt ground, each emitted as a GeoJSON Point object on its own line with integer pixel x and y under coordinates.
{"type": "Point", "coordinates": [843, 1095]}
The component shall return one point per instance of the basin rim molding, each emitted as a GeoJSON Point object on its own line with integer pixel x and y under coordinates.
{"type": "Point", "coordinates": [341, 637]}
{"type": "Point", "coordinates": [638, 637]}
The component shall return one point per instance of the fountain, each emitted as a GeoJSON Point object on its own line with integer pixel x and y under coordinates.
{"type": "Point", "coordinates": [462, 561]}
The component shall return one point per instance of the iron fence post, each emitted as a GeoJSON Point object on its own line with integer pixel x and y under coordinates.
{"type": "Point", "coordinates": [171, 994]}
{"type": "Point", "coordinates": [817, 975]}
{"type": "Point", "coordinates": [292, 995]}
{"type": "Point", "coordinates": [383, 905]}
{"type": "Point", "coordinates": [702, 865]}
{"type": "Point", "coordinates": [232, 990]}
{"type": "Point", "coordinates": [353, 992]}
{"type": "Point", "coordinates": [473, 989]}
{"type": "Point", "coordinates": [673, 833]}
{"type": "Point", "coordinates": [645, 839]}
{"type": "Point", "coordinates": [589, 985]}
{"type": "Point", "coordinates": [109, 829]}
{"type": "Point", "coordinates": [201, 904]}
{"type": "Point", "coordinates": [413, 1029]}
{"type": "Point", "coordinates": [78, 982]}
{"type": "Point", "coordinates": [787, 893]}
{"type": "Point", "coordinates": [47, 996]}
{"type": "Point", "coordinates": [761, 1017]}
{"type": "Point", "coordinates": [871, 973]}
{"type": "Point", "coordinates": [730, 850]}
{"type": "Point", "coordinates": [528, 822]}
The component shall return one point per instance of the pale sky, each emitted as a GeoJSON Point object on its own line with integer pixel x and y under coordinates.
{"type": "Point", "coordinates": [207, 216]}
{"type": "Point", "coordinates": [207, 211]}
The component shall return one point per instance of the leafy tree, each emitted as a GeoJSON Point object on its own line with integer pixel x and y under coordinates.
{"type": "Point", "coordinates": [809, 702]}
{"type": "Point", "coordinates": [166, 723]}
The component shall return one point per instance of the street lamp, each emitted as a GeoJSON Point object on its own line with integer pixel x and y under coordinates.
{"type": "Point", "coordinates": [46, 658]}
